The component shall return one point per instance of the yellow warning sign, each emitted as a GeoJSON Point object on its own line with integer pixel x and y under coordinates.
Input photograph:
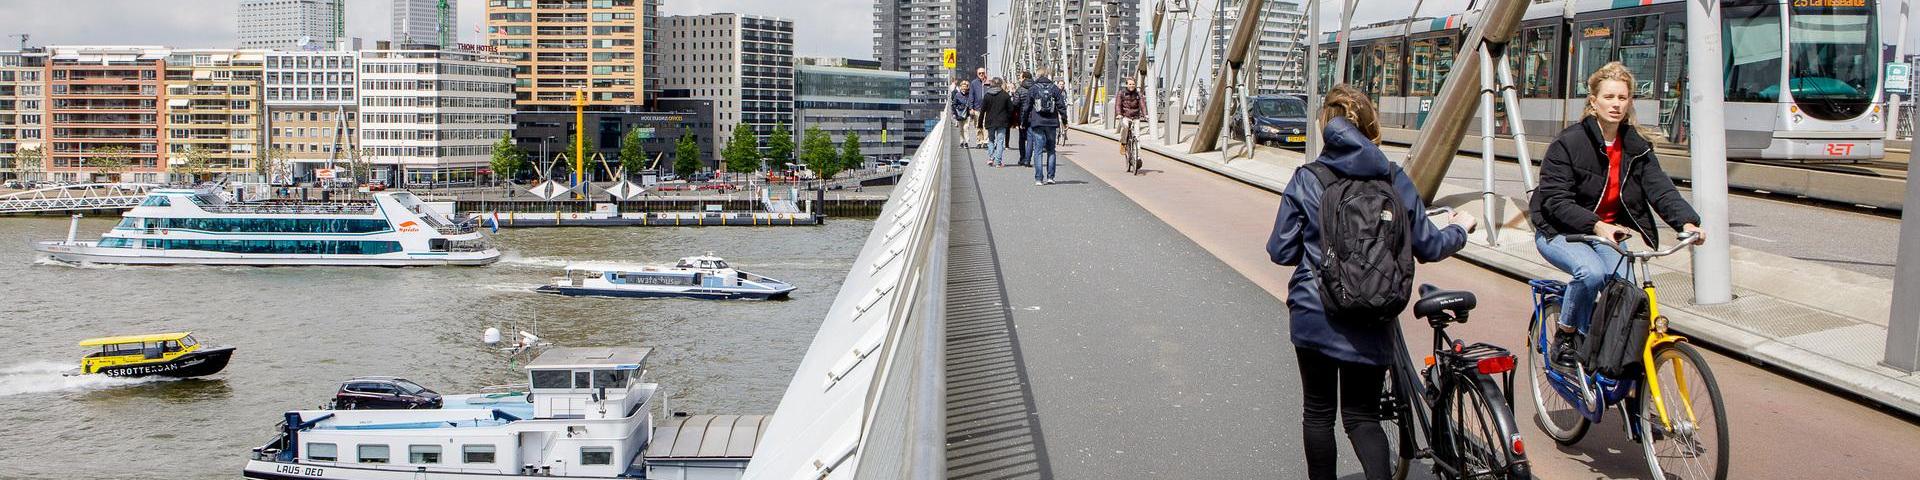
{"type": "Point", "coordinates": [950, 58]}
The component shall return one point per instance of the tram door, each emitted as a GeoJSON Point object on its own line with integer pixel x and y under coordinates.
{"type": "Point", "coordinates": [1673, 70]}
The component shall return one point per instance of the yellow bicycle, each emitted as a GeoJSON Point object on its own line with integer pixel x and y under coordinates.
{"type": "Point", "coordinates": [1666, 393]}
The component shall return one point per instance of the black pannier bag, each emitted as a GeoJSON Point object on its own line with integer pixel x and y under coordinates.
{"type": "Point", "coordinates": [1618, 334]}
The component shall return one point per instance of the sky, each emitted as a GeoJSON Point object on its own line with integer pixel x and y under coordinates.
{"type": "Point", "coordinates": [838, 28]}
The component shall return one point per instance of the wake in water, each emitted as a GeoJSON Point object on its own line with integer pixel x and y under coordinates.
{"type": "Point", "coordinates": [44, 377]}
{"type": "Point", "coordinates": [513, 257]}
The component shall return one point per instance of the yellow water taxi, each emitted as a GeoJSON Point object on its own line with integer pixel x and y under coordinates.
{"type": "Point", "coordinates": [175, 354]}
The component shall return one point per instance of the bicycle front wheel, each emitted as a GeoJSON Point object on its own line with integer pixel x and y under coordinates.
{"type": "Point", "coordinates": [1557, 416]}
{"type": "Point", "coordinates": [1477, 435]}
{"type": "Point", "coordinates": [1690, 440]}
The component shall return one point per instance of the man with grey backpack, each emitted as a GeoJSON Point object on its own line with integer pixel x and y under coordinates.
{"type": "Point", "coordinates": [1041, 111]}
{"type": "Point", "coordinates": [1353, 226]}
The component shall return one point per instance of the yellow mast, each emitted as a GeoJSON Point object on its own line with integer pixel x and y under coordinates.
{"type": "Point", "coordinates": [579, 138]}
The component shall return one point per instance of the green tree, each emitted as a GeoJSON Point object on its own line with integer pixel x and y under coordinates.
{"type": "Point", "coordinates": [274, 163]}
{"type": "Point", "coordinates": [850, 157]}
{"type": "Point", "coordinates": [743, 151]}
{"type": "Point", "coordinates": [686, 156]}
{"type": "Point", "coordinates": [817, 151]}
{"type": "Point", "coordinates": [780, 146]}
{"type": "Point", "coordinates": [508, 158]}
{"type": "Point", "coordinates": [359, 167]}
{"type": "Point", "coordinates": [633, 156]}
{"type": "Point", "coordinates": [110, 160]}
{"type": "Point", "coordinates": [198, 162]}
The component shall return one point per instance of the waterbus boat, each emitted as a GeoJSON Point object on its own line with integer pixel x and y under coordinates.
{"type": "Point", "coordinates": [704, 276]}
{"type": "Point", "coordinates": [175, 354]}
{"type": "Point", "coordinates": [583, 413]}
{"type": "Point", "coordinates": [188, 226]}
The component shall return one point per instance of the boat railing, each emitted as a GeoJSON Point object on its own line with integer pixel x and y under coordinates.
{"type": "Point", "coordinates": [293, 208]}
{"type": "Point", "coordinates": [505, 387]}
{"type": "Point", "coordinates": [458, 229]}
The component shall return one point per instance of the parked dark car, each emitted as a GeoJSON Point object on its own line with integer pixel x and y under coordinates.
{"type": "Point", "coordinates": [383, 393]}
{"type": "Point", "coordinates": [702, 176]}
{"type": "Point", "coordinates": [1277, 119]}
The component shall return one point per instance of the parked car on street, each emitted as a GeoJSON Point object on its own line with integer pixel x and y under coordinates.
{"type": "Point", "coordinates": [1277, 119]}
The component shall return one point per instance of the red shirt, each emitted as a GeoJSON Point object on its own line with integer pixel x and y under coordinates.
{"type": "Point", "coordinates": [1610, 197]}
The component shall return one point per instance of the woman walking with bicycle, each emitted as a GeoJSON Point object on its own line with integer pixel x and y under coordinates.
{"type": "Point", "coordinates": [1344, 360]}
{"type": "Point", "coordinates": [1600, 177]}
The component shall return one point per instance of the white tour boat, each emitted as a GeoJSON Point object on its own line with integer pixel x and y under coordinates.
{"type": "Point", "coordinates": [704, 276]}
{"type": "Point", "coordinates": [586, 413]}
{"type": "Point", "coordinates": [183, 226]}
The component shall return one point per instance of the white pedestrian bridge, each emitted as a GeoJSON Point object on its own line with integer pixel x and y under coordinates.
{"type": "Point", "coordinates": [79, 197]}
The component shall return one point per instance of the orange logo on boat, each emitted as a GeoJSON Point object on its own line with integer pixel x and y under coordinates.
{"type": "Point", "coordinates": [409, 226]}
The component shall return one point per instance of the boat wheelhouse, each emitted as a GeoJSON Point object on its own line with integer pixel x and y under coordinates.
{"type": "Point", "coordinates": [174, 354]}
{"type": "Point", "coordinates": [182, 226]}
{"type": "Point", "coordinates": [704, 276]}
{"type": "Point", "coordinates": [584, 413]}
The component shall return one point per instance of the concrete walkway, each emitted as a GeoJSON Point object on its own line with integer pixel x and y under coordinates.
{"type": "Point", "coordinates": [1816, 321]}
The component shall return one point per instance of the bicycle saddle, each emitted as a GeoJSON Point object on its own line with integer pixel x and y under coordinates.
{"type": "Point", "coordinates": [1435, 302]}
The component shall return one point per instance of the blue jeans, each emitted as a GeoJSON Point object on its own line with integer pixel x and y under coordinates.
{"type": "Point", "coordinates": [1590, 265]}
{"type": "Point", "coordinates": [1041, 141]}
{"type": "Point", "coordinates": [996, 145]}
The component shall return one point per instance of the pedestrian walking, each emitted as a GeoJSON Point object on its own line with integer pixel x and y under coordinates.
{"type": "Point", "coordinates": [997, 112]}
{"type": "Point", "coordinates": [1041, 111]}
{"type": "Point", "coordinates": [978, 86]}
{"type": "Point", "coordinates": [1019, 97]}
{"type": "Point", "coordinates": [1344, 353]}
{"type": "Point", "coordinates": [1132, 107]}
{"type": "Point", "coordinates": [961, 104]}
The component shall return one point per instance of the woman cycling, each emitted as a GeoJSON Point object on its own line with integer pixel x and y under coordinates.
{"type": "Point", "coordinates": [1343, 361]}
{"type": "Point", "coordinates": [1600, 177]}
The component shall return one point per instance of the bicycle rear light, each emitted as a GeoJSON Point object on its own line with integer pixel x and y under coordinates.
{"type": "Point", "coordinates": [1493, 365]}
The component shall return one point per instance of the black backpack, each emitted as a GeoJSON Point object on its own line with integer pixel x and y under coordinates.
{"type": "Point", "coordinates": [1044, 103]}
{"type": "Point", "coordinates": [1366, 270]}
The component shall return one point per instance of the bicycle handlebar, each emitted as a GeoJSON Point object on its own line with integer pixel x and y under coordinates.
{"type": "Point", "coordinates": [1687, 239]}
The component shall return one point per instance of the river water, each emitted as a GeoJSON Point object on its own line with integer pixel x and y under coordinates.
{"type": "Point", "coordinates": [301, 330]}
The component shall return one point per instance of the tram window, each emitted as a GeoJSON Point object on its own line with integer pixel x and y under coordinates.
{"type": "Point", "coordinates": [1387, 69]}
{"type": "Point", "coordinates": [1594, 49]}
{"type": "Point", "coordinates": [1536, 63]}
{"type": "Point", "coordinates": [1431, 59]}
{"type": "Point", "coordinates": [1637, 51]}
{"type": "Point", "coordinates": [1752, 61]}
{"type": "Point", "coordinates": [1326, 69]}
{"type": "Point", "coordinates": [1835, 60]}
{"type": "Point", "coordinates": [1356, 70]}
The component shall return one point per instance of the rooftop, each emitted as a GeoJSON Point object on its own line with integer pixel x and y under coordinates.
{"type": "Point", "coordinates": [591, 357]}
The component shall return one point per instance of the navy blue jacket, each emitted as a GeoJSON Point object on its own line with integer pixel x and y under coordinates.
{"type": "Point", "coordinates": [1042, 86]}
{"type": "Point", "coordinates": [961, 103]}
{"type": "Point", "coordinates": [1296, 242]}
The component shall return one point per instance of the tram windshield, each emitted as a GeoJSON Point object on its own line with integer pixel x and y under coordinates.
{"type": "Point", "coordinates": [1834, 57]}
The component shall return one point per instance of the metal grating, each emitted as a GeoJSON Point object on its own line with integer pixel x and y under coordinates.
{"type": "Point", "coordinates": [1767, 316]}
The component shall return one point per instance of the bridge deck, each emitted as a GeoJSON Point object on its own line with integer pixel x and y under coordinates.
{"type": "Point", "coordinates": [1088, 339]}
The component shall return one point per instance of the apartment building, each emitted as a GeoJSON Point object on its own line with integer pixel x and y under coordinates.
{"type": "Point", "coordinates": [313, 108]}
{"type": "Point", "coordinates": [743, 63]}
{"type": "Point", "coordinates": [418, 21]}
{"type": "Point", "coordinates": [291, 24]}
{"type": "Point", "coordinates": [429, 117]}
{"type": "Point", "coordinates": [908, 36]}
{"type": "Point", "coordinates": [106, 113]}
{"type": "Point", "coordinates": [22, 113]}
{"type": "Point", "coordinates": [1281, 47]}
{"type": "Point", "coordinates": [557, 46]}
{"type": "Point", "coordinates": [213, 106]}
{"type": "Point", "coordinates": [841, 96]}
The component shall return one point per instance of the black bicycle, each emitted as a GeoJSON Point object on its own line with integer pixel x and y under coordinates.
{"type": "Point", "coordinates": [1457, 411]}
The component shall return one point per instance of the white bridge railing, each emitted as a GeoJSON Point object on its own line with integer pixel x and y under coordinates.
{"type": "Point", "coordinates": [87, 196]}
{"type": "Point", "coordinates": [869, 398]}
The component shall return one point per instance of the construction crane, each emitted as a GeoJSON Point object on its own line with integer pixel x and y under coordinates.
{"type": "Point", "coordinates": [23, 40]}
{"type": "Point", "coordinates": [446, 25]}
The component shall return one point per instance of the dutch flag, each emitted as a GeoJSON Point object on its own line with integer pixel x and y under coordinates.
{"type": "Point", "coordinates": [493, 221]}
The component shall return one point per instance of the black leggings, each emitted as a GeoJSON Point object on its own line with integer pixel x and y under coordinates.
{"type": "Point", "coordinates": [1354, 389]}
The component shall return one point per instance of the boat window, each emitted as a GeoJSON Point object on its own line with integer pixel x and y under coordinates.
{"type": "Point", "coordinates": [422, 454]}
{"type": "Point", "coordinates": [129, 222]}
{"type": "Point", "coordinates": [409, 388]}
{"type": "Point", "coordinates": [552, 379]}
{"type": "Point", "coordinates": [340, 247]}
{"type": "Point", "coordinates": [476, 453]}
{"type": "Point", "coordinates": [274, 225]}
{"type": "Point", "coordinates": [189, 341]}
{"type": "Point", "coordinates": [125, 348]}
{"type": "Point", "coordinates": [596, 455]}
{"type": "Point", "coordinates": [374, 454]}
{"type": "Point", "coordinates": [115, 242]}
{"type": "Point", "coordinates": [156, 201]}
{"type": "Point", "coordinates": [1752, 61]}
{"type": "Point", "coordinates": [706, 264]}
{"type": "Point", "coordinates": [684, 264]}
{"type": "Point", "coordinates": [614, 379]}
{"type": "Point", "coordinates": [583, 379]}
{"type": "Point", "coordinates": [325, 452]}
{"type": "Point", "coordinates": [170, 346]}
{"type": "Point", "coordinates": [719, 264]}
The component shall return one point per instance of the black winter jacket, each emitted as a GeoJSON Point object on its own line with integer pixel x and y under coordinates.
{"type": "Point", "coordinates": [997, 109]}
{"type": "Point", "coordinates": [1574, 176]}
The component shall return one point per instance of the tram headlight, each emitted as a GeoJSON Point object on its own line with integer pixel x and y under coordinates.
{"type": "Point", "coordinates": [1874, 118]}
{"type": "Point", "coordinates": [1797, 118]}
